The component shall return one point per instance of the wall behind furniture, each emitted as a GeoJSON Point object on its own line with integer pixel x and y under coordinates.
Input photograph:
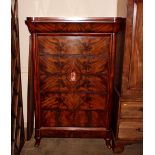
{"type": "Point", "coordinates": [121, 8]}
{"type": "Point", "coordinates": [59, 8]}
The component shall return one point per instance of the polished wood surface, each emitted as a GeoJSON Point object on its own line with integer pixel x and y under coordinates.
{"type": "Point", "coordinates": [132, 83]}
{"type": "Point", "coordinates": [17, 121]}
{"type": "Point", "coordinates": [130, 130]}
{"type": "Point", "coordinates": [63, 25]}
{"type": "Point", "coordinates": [128, 99]}
{"type": "Point", "coordinates": [131, 110]}
{"type": "Point", "coordinates": [30, 96]}
{"type": "Point", "coordinates": [73, 74]}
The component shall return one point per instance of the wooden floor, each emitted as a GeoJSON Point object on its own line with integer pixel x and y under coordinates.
{"type": "Point", "coordinates": [78, 146]}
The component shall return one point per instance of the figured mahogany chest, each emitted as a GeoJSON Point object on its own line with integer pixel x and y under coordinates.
{"type": "Point", "coordinates": [73, 65]}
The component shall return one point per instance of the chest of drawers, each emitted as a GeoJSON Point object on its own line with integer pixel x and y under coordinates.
{"type": "Point", "coordinates": [73, 66]}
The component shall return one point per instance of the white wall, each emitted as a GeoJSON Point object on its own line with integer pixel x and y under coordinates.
{"type": "Point", "coordinates": [58, 8]}
{"type": "Point", "coordinates": [121, 8]}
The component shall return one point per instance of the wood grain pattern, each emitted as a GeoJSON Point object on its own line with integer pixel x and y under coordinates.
{"type": "Point", "coordinates": [74, 65]}
{"type": "Point", "coordinates": [30, 96]}
{"type": "Point", "coordinates": [131, 110]}
{"type": "Point", "coordinates": [128, 99]}
{"type": "Point", "coordinates": [78, 118]}
{"type": "Point", "coordinates": [85, 25]}
{"type": "Point", "coordinates": [88, 59]}
{"type": "Point", "coordinates": [132, 83]}
{"type": "Point", "coordinates": [17, 120]}
{"type": "Point", "coordinates": [130, 130]}
{"type": "Point", "coordinates": [73, 132]}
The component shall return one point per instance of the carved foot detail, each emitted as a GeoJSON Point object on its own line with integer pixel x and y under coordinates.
{"type": "Point", "coordinates": [37, 143]}
{"type": "Point", "coordinates": [108, 143]}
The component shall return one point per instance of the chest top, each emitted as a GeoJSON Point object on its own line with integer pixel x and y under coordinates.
{"type": "Point", "coordinates": [64, 25]}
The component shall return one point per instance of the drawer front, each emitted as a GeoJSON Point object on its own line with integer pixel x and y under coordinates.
{"type": "Point", "coordinates": [74, 78]}
{"type": "Point", "coordinates": [131, 110]}
{"type": "Point", "coordinates": [79, 118]}
{"type": "Point", "coordinates": [131, 130]}
{"type": "Point", "coordinates": [72, 75]}
{"type": "Point", "coordinates": [73, 101]}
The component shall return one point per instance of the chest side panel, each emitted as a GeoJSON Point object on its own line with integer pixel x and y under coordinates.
{"type": "Point", "coordinates": [74, 85]}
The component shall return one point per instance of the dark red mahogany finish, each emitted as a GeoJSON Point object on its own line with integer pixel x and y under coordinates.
{"type": "Point", "coordinates": [73, 63]}
{"type": "Point", "coordinates": [17, 119]}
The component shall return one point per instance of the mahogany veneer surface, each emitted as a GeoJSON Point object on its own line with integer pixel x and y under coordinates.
{"type": "Point", "coordinates": [17, 120]}
{"type": "Point", "coordinates": [73, 64]}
